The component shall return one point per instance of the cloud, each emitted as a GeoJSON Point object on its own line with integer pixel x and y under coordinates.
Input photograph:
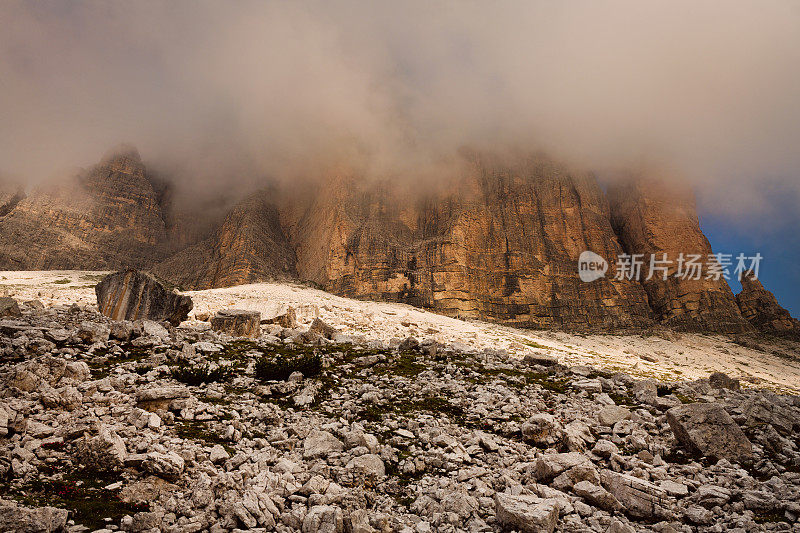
{"type": "Point", "coordinates": [222, 94]}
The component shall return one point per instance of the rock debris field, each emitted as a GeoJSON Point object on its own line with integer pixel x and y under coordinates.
{"type": "Point", "coordinates": [347, 416]}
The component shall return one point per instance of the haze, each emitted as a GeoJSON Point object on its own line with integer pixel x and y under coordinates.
{"type": "Point", "coordinates": [222, 95]}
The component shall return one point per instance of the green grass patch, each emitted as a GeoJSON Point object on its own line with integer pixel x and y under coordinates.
{"type": "Point", "coordinates": [280, 367]}
{"type": "Point", "coordinates": [198, 430]}
{"type": "Point", "coordinates": [405, 364]}
{"type": "Point", "coordinates": [197, 375]}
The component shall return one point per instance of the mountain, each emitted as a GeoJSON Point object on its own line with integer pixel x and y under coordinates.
{"type": "Point", "coordinates": [499, 241]}
{"type": "Point", "coordinates": [106, 217]}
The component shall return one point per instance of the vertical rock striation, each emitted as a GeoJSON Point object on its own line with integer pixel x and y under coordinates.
{"type": "Point", "coordinates": [248, 246]}
{"type": "Point", "coordinates": [498, 240]}
{"type": "Point", "coordinates": [502, 244]}
{"type": "Point", "coordinates": [133, 295]}
{"type": "Point", "coordinates": [653, 218]}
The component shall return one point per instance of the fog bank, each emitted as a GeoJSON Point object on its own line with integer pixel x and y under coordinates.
{"type": "Point", "coordinates": [224, 95]}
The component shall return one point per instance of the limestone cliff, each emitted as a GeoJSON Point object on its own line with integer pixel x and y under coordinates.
{"type": "Point", "coordinates": [653, 218]}
{"type": "Point", "coordinates": [105, 217]}
{"type": "Point", "coordinates": [501, 244]}
{"type": "Point", "coordinates": [761, 309]}
{"type": "Point", "coordinates": [498, 240]}
{"type": "Point", "coordinates": [248, 246]}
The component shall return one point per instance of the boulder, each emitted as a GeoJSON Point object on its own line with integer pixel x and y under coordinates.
{"type": "Point", "coordinates": [324, 519]}
{"type": "Point", "coordinates": [697, 515]}
{"type": "Point", "coordinates": [92, 332]}
{"type": "Point", "coordinates": [237, 323]}
{"type": "Point", "coordinates": [638, 497]}
{"type": "Point", "coordinates": [718, 380]}
{"type": "Point", "coordinates": [542, 429]}
{"type": "Point", "coordinates": [151, 328]}
{"type": "Point", "coordinates": [218, 454]}
{"type": "Point", "coordinates": [528, 514]}
{"type": "Point", "coordinates": [584, 472]}
{"type": "Point", "coordinates": [15, 517]}
{"type": "Point", "coordinates": [321, 443]}
{"type": "Point", "coordinates": [58, 335]}
{"type": "Point", "coordinates": [165, 465]}
{"type": "Point", "coordinates": [9, 307]}
{"type": "Point", "coordinates": [122, 330]}
{"type": "Point", "coordinates": [358, 522]}
{"type": "Point", "coordinates": [707, 429]}
{"type": "Point", "coordinates": [596, 495]}
{"type": "Point", "coordinates": [162, 398]}
{"type": "Point", "coordinates": [550, 465]}
{"type": "Point", "coordinates": [105, 450]}
{"type": "Point", "coordinates": [285, 320]}
{"type": "Point", "coordinates": [369, 465]}
{"type": "Point", "coordinates": [322, 329]}
{"type": "Point", "coordinates": [134, 295]}
{"type": "Point", "coordinates": [760, 411]}
{"type": "Point", "coordinates": [611, 414]}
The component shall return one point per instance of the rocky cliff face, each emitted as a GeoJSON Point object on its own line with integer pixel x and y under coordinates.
{"type": "Point", "coordinates": [762, 310]}
{"type": "Point", "coordinates": [248, 246]}
{"type": "Point", "coordinates": [500, 241]}
{"type": "Point", "coordinates": [502, 244]}
{"type": "Point", "coordinates": [651, 218]}
{"type": "Point", "coordinates": [106, 217]}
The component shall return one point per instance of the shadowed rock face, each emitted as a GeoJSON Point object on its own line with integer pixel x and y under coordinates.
{"type": "Point", "coordinates": [248, 246]}
{"type": "Point", "coordinates": [708, 429]}
{"type": "Point", "coordinates": [761, 309]}
{"type": "Point", "coordinates": [651, 218]}
{"type": "Point", "coordinates": [106, 217]}
{"type": "Point", "coordinates": [502, 244]}
{"type": "Point", "coordinates": [133, 295]}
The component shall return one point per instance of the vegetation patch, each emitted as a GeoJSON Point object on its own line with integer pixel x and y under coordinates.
{"type": "Point", "coordinates": [198, 430]}
{"type": "Point", "coordinates": [80, 491]}
{"type": "Point", "coordinates": [684, 399]}
{"type": "Point", "coordinates": [280, 367]}
{"type": "Point", "coordinates": [405, 364]}
{"type": "Point", "coordinates": [623, 399]}
{"type": "Point", "coordinates": [197, 375]}
{"type": "Point", "coordinates": [101, 365]}
{"type": "Point", "coordinates": [766, 517]}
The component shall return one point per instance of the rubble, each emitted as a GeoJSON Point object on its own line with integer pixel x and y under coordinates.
{"type": "Point", "coordinates": [394, 436]}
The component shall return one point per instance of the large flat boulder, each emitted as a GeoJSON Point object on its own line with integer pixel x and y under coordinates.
{"type": "Point", "coordinates": [707, 429]}
{"type": "Point", "coordinates": [639, 498]}
{"type": "Point", "coordinates": [237, 323]}
{"type": "Point", "coordinates": [134, 295]}
{"type": "Point", "coordinates": [548, 466]}
{"type": "Point", "coordinates": [528, 514]}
